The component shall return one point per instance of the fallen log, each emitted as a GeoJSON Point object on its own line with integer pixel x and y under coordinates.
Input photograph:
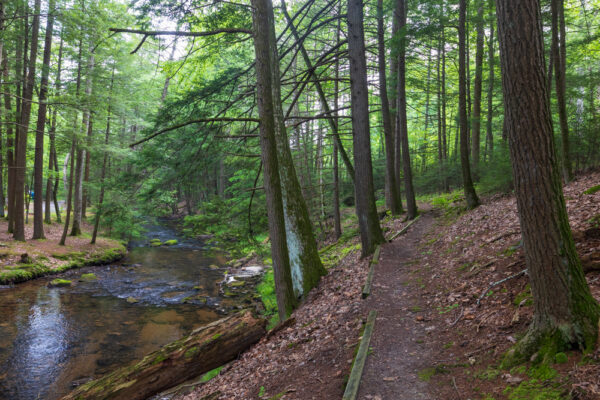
{"type": "Point", "coordinates": [204, 349]}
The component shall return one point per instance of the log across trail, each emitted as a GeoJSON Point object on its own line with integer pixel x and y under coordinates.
{"type": "Point", "coordinates": [203, 350]}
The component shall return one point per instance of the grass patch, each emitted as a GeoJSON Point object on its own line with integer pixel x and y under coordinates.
{"type": "Point", "coordinates": [592, 190]}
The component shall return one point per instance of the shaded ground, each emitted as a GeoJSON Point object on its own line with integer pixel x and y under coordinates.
{"type": "Point", "coordinates": [47, 256]}
{"type": "Point", "coordinates": [399, 345]}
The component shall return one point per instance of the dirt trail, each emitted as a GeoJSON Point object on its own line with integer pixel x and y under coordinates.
{"type": "Point", "coordinates": [399, 342]}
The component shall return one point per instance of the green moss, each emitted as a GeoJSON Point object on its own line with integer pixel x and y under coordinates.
{"type": "Point", "coordinates": [560, 358]}
{"type": "Point", "coordinates": [171, 242]}
{"type": "Point", "coordinates": [426, 374]}
{"type": "Point", "coordinates": [59, 283]}
{"type": "Point", "coordinates": [191, 352]}
{"type": "Point", "coordinates": [88, 277]}
{"type": "Point", "coordinates": [489, 374]}
{"type": "Point", "coordinates": [159, 358]}
{"type": "Point", "coordinates": [216, 336]}
{"type": "Point", "coordinates": [155, 244]}
{"type": "Point", "coordinates": [524, 295]}
{"type": "Point", "coordinates": [237, 283]}
{"type": "Point", "coordinates": [211, 374]}
{"type": "Point", "coordinates": [592, 190]}
{"type": "Point", "coordinates": [534, 390]}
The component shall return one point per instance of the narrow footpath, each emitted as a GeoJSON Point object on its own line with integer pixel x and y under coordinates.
{"type": "Point", "coordinates": [399, 356]}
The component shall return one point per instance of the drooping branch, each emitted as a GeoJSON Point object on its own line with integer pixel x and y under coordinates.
{"type": "Point", "coordinates": [194, 121]}
{"type": "Point", "coordinates": [181, 33]}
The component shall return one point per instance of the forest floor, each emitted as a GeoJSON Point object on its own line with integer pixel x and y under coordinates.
{"type": "Point", "coordinates": [21, 261]}
{"type": "Point", "coordinates": [442, 327]}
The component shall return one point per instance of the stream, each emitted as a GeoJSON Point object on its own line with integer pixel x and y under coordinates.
{"type": "Point", "coordinates": [53, 339]}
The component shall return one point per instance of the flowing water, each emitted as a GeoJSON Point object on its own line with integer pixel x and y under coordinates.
{"type": "Point", "coordinates": [52, 339]}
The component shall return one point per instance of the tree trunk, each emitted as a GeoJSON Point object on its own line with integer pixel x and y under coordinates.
{"type": "Point", "coordinates": [105, 159]}
{"type": "Point", "coordinates": [204, 349]}
{"type": "Point", "coordinates": [262, 20]}
{"type": "Point", "coordinates": [470, 195]}
{"type": "Point", "coordinates": [69, 192]}
{"type": "Point", "coordinates": [366, 211]}
{"type": "Point", "coordinates": [476, 116]}
{"type": "Point", "coordinates": [337, 224]}
{"type": "Point", "coordinates": [559, 59]}
{"type": "Point", "coordinates": [565, 313]}
{"type": "Point", "coordinates": [489, 135]}
{"type": "Point", "coordinates": [50, 192]}
{"type": "Point", "coordinates": [86, 170]}
{"type": "Point", "coordinates": [390, 177]}
{"type": "Point", "coordinates": [401, 121]}
{"type": "Point", "coordinates": [22, 130]}
{"type": "Point", "coordinates": [38, 181]}
{"type": "Point", "coordinates": [305, 262]}
{"type": "Point", "coordinates": [9, 119]}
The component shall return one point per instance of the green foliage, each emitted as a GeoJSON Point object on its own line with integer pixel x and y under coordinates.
{"type": "Point", "coordinates": [266, 290]}
{"type": "Point", "coordinates": [592, 190]}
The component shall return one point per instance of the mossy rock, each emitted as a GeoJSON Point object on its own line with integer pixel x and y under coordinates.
{"type": "Point", "coordinates": [155, 240]}
{"type": "Point", "coordinates": [88, 277]}
{"type": "Point", "coordinates": [213, 266]}
{"type": "Point", "coordinates": [156, 244]}
{"type": "Point", "coordinates": [132, 300]}
{"type": "Point", "coordinates": [59, 283]}
{"type": "Point", "coordinates": [236, 283]}
{"type": "Point", "coordinates": [171, 242]}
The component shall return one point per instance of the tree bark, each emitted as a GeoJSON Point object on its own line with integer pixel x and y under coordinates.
{"type": "Point", "coordinates": [337, 220]}
{"type": "Point", "coordinates": [366, 211]}
{"type": "Point", "coordinates": [390, 177]}
{"type": "Point", "coordinates": [565, 313]}
{"type": "Point", "coordinates": [470, 195]}
{"type": "Point", "coordinates": [50, 191]}
{"type": "Point", "coordinates": [489, 135]}
{"type": "Point", "coordinates": [401, 120]}
{"type": "Point", "coordinates": [559, 59]}
{"type": "Point", "coordinates": [305, 262]}
{"type": "Point", "coordinates": [69, 192]}
{"type": "Point", "coordinates": [22, 130]}
{"type": "Point", "coordinates": [9, 119]}
{"type": "Point", "coordinates": [476, 115]}
{"type": "Point", "coordinates": [104, 160]}
{"type": "Point", "coordinates": [38, 181]}
{"type": "Point", "coordinates": [204, 349]}
{"type": "Point", "coordinates": [262, 19]}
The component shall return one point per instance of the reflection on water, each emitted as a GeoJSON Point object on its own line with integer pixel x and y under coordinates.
{"type": "Point", "coordinates": [54, 338]}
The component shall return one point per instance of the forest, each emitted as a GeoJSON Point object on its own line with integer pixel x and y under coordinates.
{"type": "Point", "coordinates": [374, 199]}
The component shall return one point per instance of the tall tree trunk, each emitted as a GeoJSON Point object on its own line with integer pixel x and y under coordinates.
{"type": "Point", "coordinates": [470, 195]}
{"type": "Point", "coordinates": [565, 313]}
{"type": "Point", "coordinates": [489, 135]}
{"type": "Point", "coordinates": [390, 177]}
{"type": "Point", "coordinates": [38, 181]}
{"type": "Point", "coordinates": [8, 119]}
{"type": "Point", "coordinates": [559, 58]}
{"type": "Point", "coordinates": [401, 121]}
{"type": "Point", "coordinates": [305, 262]}
{"type": "Point", "coordinates": [440, 145]}
{"type": "Point", "coordinates": [337, 220]}
{"type": "Point", "coordinates": [105, 158]}
{"type": "Point", "coordinates": [50, 192]}
{"type": "Point", "coordinates": [366, 211]}
{"type": "Point", "coordinates": [445, 151]}
{"type": "Point", "coordinates": [86, 170]}
{"type": "Point", "coordinates": [262, 20]}
{"type": "Point", "coordinates": [22, 130]}
{"type": "Point", "coordinates": [69, 192]}
{"type": "Point", "coordinates": [81, 155]}
{"type": "Point", "coordinates": [476, 116]}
